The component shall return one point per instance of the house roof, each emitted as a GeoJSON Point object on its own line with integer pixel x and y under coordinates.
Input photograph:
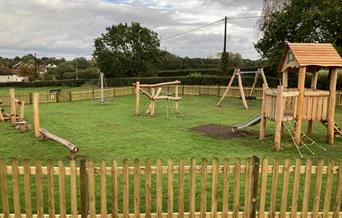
{"type": "Point", "coordinates": [4, 71]}
{"type": "Point", "coordinates": [312, 54]}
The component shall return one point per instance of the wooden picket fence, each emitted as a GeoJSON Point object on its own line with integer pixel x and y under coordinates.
{"type": "Point", "coordinates": [253, 189]}
{"type": "Point", "coordinates": [45, 97]}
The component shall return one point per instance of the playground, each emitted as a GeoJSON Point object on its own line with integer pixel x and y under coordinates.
{"type": "Point", "coordinates": [112, 131]}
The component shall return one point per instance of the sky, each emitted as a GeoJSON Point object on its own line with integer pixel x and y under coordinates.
{"type": "Point", "coordinates": [67, 28]}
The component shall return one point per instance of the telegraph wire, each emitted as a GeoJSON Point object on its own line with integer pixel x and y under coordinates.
{"type": "Point", "coordinates": [191, 30]}
{"type": "Point", "coordinates": [206, 25]}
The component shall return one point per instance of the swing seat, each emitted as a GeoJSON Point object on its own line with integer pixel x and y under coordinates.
{"type": "Point", "coordinates": [250, 97]}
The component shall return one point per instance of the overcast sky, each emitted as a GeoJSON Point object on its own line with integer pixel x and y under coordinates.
{"type": "Point", "coordinates": [67, 28]}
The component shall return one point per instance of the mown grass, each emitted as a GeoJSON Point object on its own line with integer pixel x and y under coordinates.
{"type": "Point", "coordinates": [112, 131]}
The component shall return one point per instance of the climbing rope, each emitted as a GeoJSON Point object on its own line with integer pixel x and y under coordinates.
{"type": "Point", "coordinates": [305, 140]}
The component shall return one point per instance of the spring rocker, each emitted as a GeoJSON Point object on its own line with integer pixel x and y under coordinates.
{"type": "Point", "coordinates": [153, 93]}
{"type": "Point", "coordinates": [289, 107]}
{"type": "Point", "coordinates": [237, 74]}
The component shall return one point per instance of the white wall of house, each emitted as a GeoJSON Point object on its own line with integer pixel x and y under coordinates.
{"type": "Point", "coordinates": [11, 78]}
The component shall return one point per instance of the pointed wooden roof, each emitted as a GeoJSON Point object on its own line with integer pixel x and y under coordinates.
{"type": "Point", "coordinates": [311, 54]}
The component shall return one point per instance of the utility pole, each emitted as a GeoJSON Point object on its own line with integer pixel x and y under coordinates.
{"type": "Point", "coordinates": [35, 65]}
{"type": "Point", "coordinates": [76, 72]}
{"type": "Point", "coordinates": [225, 35]}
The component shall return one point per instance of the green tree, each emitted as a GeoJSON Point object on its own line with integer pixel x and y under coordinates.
{"type": "Point", "coordinates": [299, 21]}
{"type": "Point", "coordinates": [127, 51]}
{"type": "Point", "coordinates": [27, 70]}
{"type": "Point", "coordinates": [81, 63]}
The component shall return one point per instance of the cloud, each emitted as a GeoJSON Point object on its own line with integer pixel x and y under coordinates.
{"type": "Point", "coordinates": [68, 27]}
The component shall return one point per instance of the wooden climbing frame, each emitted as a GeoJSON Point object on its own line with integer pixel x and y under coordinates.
{"type": "Point", "coordinates": [154, 94]}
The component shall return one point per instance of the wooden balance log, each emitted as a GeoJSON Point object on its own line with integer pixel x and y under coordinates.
{"type": "Point", "coordinates": [73, 149]}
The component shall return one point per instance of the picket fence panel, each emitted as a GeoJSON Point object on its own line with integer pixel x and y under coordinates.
{"type": "Point", "coordinates": [227, 188]}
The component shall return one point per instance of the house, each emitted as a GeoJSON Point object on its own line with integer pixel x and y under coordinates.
{"type": "Point", "coordinates": [8, 75]}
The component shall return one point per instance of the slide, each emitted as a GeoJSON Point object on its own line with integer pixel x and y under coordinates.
{"type": "Point", "coordinates": [250, 122]}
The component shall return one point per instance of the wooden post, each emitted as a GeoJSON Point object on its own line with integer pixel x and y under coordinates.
{"type": "Point", "coordinates": [255, 174]}
{"type": "Point", "coordinates": [177, 101]}
{"type": "Point", "coordinates": [13, 107]}
{"type": "Point", "coordinates": [300, 101]}
{"type": "Point", "coordinates": [331, 106]}
{"type": "Point", "coordinates": [30, 98]}
{"type": "Point", "coordinates": [263, 77]}
{"type": "Point", "coordinates": [279, 117]}
{"type": "Point", "coordinates": [153, 92]}
{"type": "Point", "coordinates": [228, 87]}
{"type": "Point", "coordinates": [70, 96]}
{"type": "Point", "coordinates": [22, 110]}
{"type": "Point", "coordinates": [84, 189]}
{"type": "Point", "coordinates": [263, 119]}
{"type": "Point", "coordinates": [285, 78]}
{"type": "Point", "coordinates": [137, 98]}
{"type": "Point", "coordinates": [255, 81]}
{"type": "Point", "coordinates": [36, 125]}
{"type": "Point", "coordinates": [2, 119]}
{"type": "Point", "coordinates": [314, 87]}
{"type": "Point", "coordinates": [242, 92]}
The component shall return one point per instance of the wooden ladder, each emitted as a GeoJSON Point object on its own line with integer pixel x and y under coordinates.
{"type": "Point", "coordinates": [337, 129]}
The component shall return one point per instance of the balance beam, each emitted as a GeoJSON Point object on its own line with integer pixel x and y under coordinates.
{"type": "Point", "coordinates": [46, 135]}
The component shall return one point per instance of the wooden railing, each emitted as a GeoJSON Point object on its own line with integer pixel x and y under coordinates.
{"type": "Point", "coordinates": [315, 105]}
{"type": "Point", "coordinates": [172, 190]}
{"type": "Point", "coordinates": [45, 97]}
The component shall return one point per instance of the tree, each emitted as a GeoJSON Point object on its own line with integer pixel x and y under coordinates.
{"type": "Point", "coordinates": [127, 51]}
{"type": "Point", "coordinates": [299, 21]}
{"type": "Point", "coordinates": [27, 70]}
{"type": "Point", "coordinates": [81, 63]}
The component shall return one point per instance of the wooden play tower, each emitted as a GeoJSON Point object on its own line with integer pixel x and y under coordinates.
{"type": "Point", "coordinates": [298, 104]}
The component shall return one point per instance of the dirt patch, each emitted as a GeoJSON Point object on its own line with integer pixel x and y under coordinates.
{"type": "Point", "coordinates": [222, 131]}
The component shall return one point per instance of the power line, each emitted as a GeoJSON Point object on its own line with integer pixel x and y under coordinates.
{"type": "Point", "coordinates": [250, 17]}
{"type": "Point", "coordinates": [209, 24]}
{"type": "Point", "coordinates": [191, 30]}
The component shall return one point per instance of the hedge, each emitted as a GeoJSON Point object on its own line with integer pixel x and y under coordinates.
{"type": "Point", "coordinates": [323, 81]}
{"type": "Point", "coordinates": [42, 83]}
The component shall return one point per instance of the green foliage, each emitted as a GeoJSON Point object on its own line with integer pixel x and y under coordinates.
{"type": "Point", "coordinates": [44, 83]}
{"type": "Point", "coordinates": [127, 51]}
{"type": "Point", "coordinates": [224, 62]}
{"type": "Point", "coordinates": [81, 63]}
{"type": "Point", "coordinates": [28, 71]}
{"type": "Point", "coordinates": [301, 21]}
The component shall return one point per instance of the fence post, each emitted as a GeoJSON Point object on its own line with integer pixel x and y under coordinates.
{"type": "Point", "coordinates": [30, 98]}
{"type": "Point", "coordinates": [255, 181]}
{"type": "Point", "coordinates": [83, 186]}
{"type": "Point", "coordinates": [70, 96]}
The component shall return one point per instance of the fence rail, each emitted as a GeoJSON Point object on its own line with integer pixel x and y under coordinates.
{"type": "Point", "coordinates": [233, 189]}
{"type": "Point", "coordinates": [45, 97]}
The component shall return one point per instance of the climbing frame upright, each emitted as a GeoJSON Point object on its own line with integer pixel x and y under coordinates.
{"type": "Point", "coordinates": [237, 74]}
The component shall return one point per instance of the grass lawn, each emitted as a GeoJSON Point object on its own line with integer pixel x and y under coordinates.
{"type": "Point", "coordinates": [111, 131]}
